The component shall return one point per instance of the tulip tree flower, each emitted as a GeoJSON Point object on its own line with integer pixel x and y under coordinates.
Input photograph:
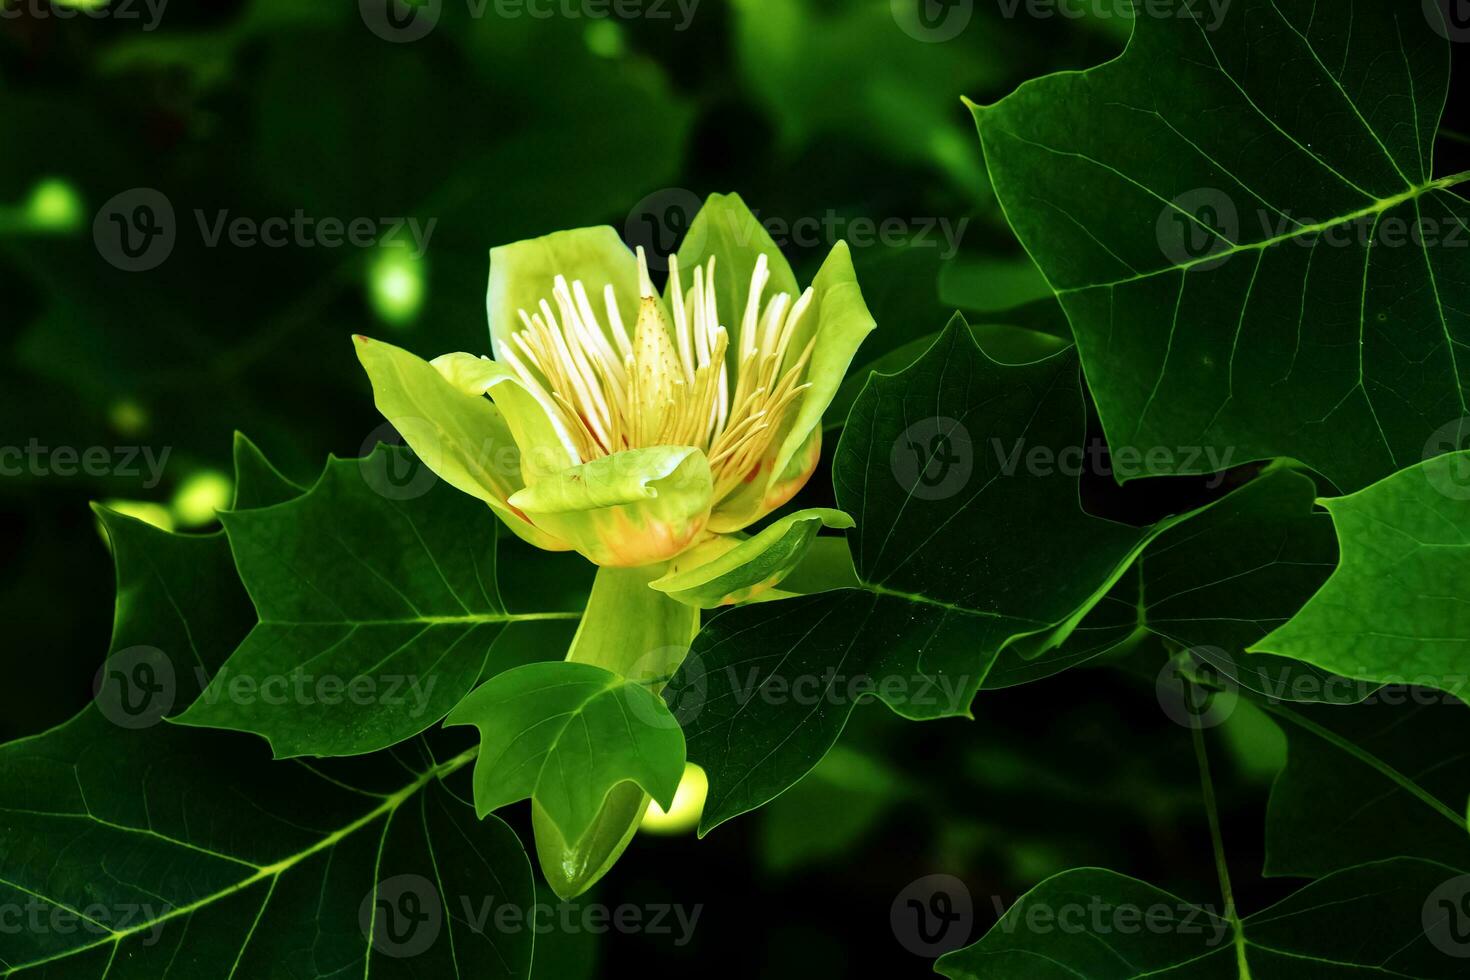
{"type": "Point", "coordinates": [645, 431]}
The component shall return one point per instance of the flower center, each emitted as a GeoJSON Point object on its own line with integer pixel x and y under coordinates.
{"type": "Point", "coordinates": [667, 384]}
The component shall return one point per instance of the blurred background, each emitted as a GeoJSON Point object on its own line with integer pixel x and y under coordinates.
{"type": "Point", "coordinates": [201, 202]}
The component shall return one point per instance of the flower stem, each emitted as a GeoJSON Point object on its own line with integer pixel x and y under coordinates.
{"type": "Point", "coordinates": [1217, 841]}
{"type": "Point", "coordinates": [643, 635]}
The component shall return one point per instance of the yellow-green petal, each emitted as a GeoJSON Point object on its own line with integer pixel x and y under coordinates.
{"type": "Point", "coordinates": [545, 445]}
{"type": "Point", "coordinates": [840, 321]}
{"type": "Point", "coordinates": [726, 229]}
{"type": "Point", "coordinates": [737, 571]}
{"type": "Point", "coordinates": [763, 493]}
{"type": "Point", "coordinates": [522, 274]}
{"type": "Point", "coordinates": [461, 437]}
{"type": "Point", "coordinates": [631, 508]}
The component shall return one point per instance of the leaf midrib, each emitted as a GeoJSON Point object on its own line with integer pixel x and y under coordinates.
{"type": "Point", "coordinates": [473, 619]}
{"type": "Point", "coordinates": [1378, 207]}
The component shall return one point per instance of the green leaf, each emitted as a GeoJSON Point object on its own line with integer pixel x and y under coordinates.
{"type": "Point", "coordinates": [1000, 342]}
{"type": "Point", "coordinates": [565, 734]}
{"type": "Point", "coordinates": [1376, 780]}
{"type": "Point", "coordinates": [1216, 584]}
{"type": "Point", "coordinates": [845, 73]}
{"type": "Point", "coordinates": [827, 565]}
{"type": "Point", "coordinates": [1228, 213]}
{"type": "Point", "coordinates": [160, 850]}
{"type": "Point", "coordinates": [642, 635]}
{"type": "Point", "coordinates": [1392, 612]}
{"type": "Point", "coordinates": [994, 286]}
{"type": "Point", "coordinates": [1102, 925]}
{"type": "Point", "coordinates": [257, 481]}
{"type": "Point", "coordinates": [834, 807]}
{"type": "Point", "coordinates": [750, 566]}
{"type": "Point", "coordinates": [379, 610]}
{"type": "Point", "coordinates": [956, 551]}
